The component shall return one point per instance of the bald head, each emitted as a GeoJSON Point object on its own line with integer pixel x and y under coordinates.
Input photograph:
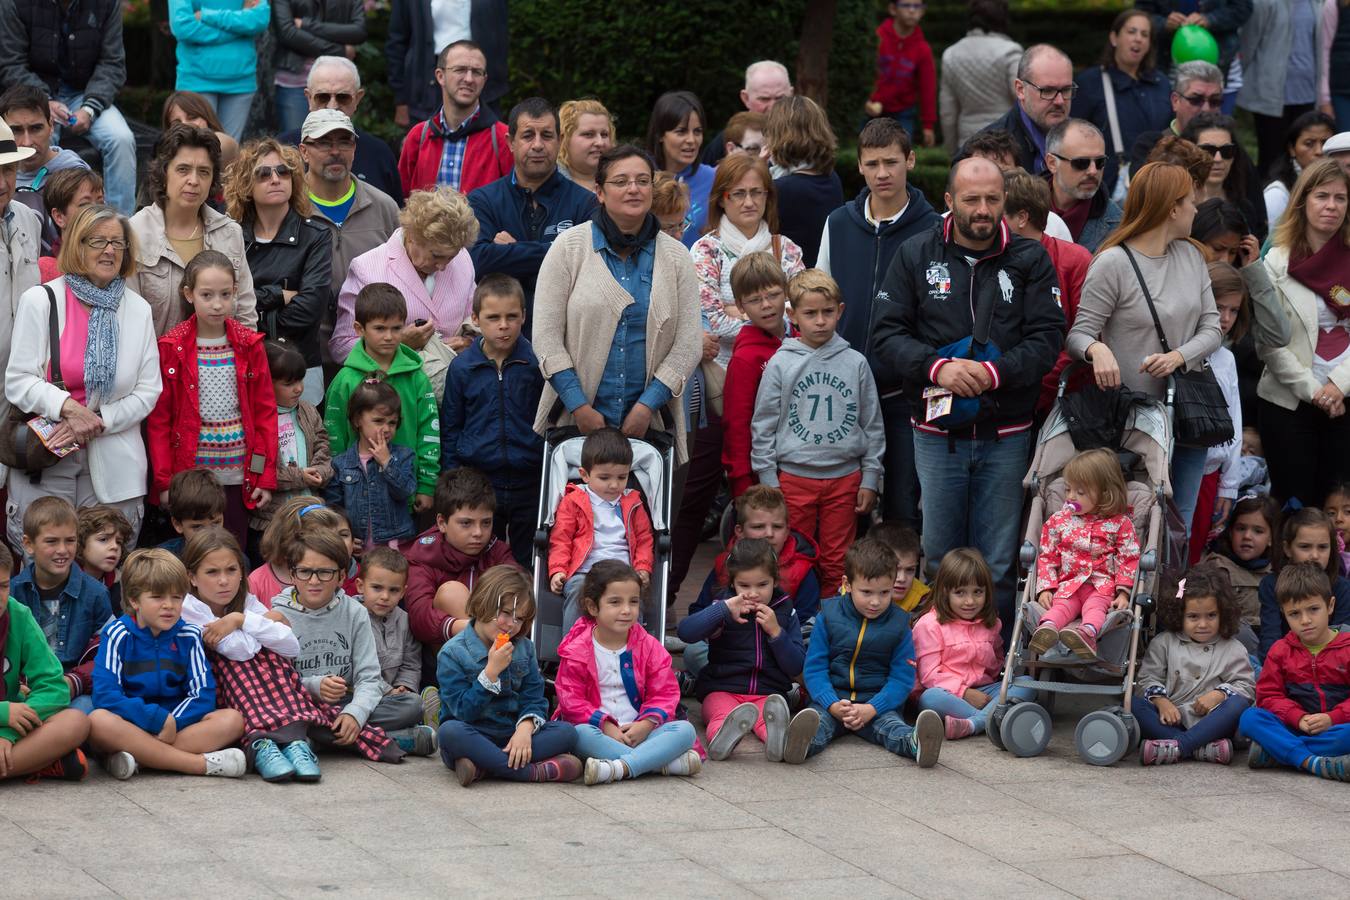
{"type": "Point", "coordinates": [975, 196]}
{"type": "Point", "coordinates": [975, 168]}
{"type": "Point", "coordinates": [766, 82]}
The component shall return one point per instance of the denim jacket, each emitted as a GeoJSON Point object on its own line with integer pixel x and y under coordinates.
{"type": "Point", "coordinates": [517, 695]}
{"type": "Point", "coordinates": [83, 611]}
{"type": "Point", "coordinates": [375, 497]}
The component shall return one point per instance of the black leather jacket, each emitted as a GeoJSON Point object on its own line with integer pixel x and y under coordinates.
{"type": "Point", "coordinates": [299, 258]}
{"type": "Point", "coordinates": [327, 26]}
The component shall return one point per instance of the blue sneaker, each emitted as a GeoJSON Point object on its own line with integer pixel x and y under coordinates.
{"type": "Point", "coordinates": [419, 740]}
{"type": "Point", "coordinates": [269, 762]}
{"type": "Point", "coordinates": [1332, 768]}
{"type": "Point", "coordinates": [303, 759]}
{"type": "Point", "coordinates": [1258, 758]}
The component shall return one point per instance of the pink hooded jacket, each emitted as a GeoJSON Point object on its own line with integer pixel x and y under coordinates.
{"type": "Point", "coordinates": [956, 655]}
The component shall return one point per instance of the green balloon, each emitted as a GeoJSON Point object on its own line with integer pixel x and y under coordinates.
{"type": "Point", "coordinates": [1192, 42]}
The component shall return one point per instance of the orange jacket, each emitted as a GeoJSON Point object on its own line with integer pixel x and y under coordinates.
{"type": "Point", "coordinates": [573, 534]}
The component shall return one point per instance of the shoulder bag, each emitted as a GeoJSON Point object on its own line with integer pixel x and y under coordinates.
{"type": "Point", "coordinates": [20, 447]}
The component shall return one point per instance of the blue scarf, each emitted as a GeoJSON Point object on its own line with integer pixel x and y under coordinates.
{"type": "Point", "coordinates": [100, 354]}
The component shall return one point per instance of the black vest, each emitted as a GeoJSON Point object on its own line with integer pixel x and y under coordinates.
{"type": "Point", "coordinates": [64, 51]}
{"type": "Point", "coordinates": [1340, 56]}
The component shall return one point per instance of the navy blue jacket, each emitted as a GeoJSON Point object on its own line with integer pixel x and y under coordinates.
{"type": "Point", "coordinates": [84, 609]}
{"type": "Point", "coordinates": [858, 659]}
{"type": "Point", "coordinates": [1273, 625]}
{"type": "Point", "coordinates": [376, 497]}
{"type": "Point", "coordinates": [504, 205]}
{"type": "Point", "coordinates": [1142, 104]}
{"type": "Point", "coordinates": [802, 203]}
{"type": "Point", "coordinates": [1029, 155]}
{"type": "Point", "coordinates": [741, 658]}
{"type": "Point", "coordinates": [860, 254]}
{"type": "Point", "coordinates": [487, 416]}
{"type": "Point", "coordinates": [145, 678]}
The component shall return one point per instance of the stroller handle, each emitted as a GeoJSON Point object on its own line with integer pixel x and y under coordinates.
{"type": "Point", "coordinates": [661, 440]}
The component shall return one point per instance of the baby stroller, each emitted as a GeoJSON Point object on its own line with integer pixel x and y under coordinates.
{"type": "Point", "coordinates": [1103, 736]}
{"type": "Point", "coordinates": [653, 468]}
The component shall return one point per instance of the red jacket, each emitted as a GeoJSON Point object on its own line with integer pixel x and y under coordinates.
{"type": "Point", "coordinates": [795, 562]}
{"type": "Point", "coordinates": [487, 154]}
{"type": "Point", "coordinates": [175, 423]}
{"type": "Point", "coordinates": [573, 534]}
{"type": "Point", "coordinates": [1294, 683]}
{"type": "Point", "coordinates": [1071, 264]}
{"type": "Point", "coordinates": [749, 355]}
{"type": "Point", "coordinates": [432, 562]}
{"type": "Point", "coordinates": [905, 73]}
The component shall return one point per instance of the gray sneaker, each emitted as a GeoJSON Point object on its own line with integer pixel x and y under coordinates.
{"type": "Point", "coordinates": [800, 732]}
{"type": "Point", "coordinates": [419, 740]}
{"type": "Point", "coordinates": [776, 727]}
{"type": "Point", "coordinates": [928, 736]}
{"type": "Point", "coordinates": [735, 726]}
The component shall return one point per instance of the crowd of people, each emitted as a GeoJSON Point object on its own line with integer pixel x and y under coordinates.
{"type": "Point", "coordinates": [328, 369]}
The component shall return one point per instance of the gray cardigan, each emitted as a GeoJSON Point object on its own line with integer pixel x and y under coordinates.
{"type": "Point", "coordinates": [1113, 306]}
{"type": "Point", "coordinates": [1266, 39]}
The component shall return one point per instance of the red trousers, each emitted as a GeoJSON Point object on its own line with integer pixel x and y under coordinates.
{"type": "Point", "coordinates": [823, 509]}
{"type": "Point", "coordinates": [1201, 522]}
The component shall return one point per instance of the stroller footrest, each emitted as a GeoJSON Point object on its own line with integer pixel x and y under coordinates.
{"type": "Point", "coordinates": [1069, 687]}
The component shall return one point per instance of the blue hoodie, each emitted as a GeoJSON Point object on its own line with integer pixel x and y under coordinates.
{"type": "Point", "coordinates": [216, 53]}
{"type": "Point", "coordinates": [487, 416]}
{"type": "Point", "coordinates": [146, 678]}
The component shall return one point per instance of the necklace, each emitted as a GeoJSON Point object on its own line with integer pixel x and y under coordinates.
{"type": "Point", "coordinates": [195, 232]}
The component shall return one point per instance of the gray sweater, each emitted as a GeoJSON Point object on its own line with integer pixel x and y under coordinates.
{"type": "Point", "coordinates": [1112, 305]}
{"type": "Point", "coordinates": [336, 640]}
{"type": "Point", "coordinates": [817, 415]}
{"type": "Point", "coordinates": [399, 652]}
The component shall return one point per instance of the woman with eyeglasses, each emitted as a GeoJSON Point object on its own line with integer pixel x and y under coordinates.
{"type": "Point", "coordinates": [1301, 411]}
{"type": "Point", "coordinates": [1151, 255]}
{"type": "Point", "coordinates": [178, 224]}
{"type": "Point", "coordinates": [109, 373]}
{"type": "Point", "coordinates": [289, 254]}
{"type": "Point", "coordinates": [675, 142]}
{"type": "Point", "coordinates": [800, 146]}
{"type": "Point", "coordinates": [1303, 147]}
{"type": "Point", "coordinates": [617, 328]}
{"type": "Point", "coordinates": [1232, 176]}
{"type": "Point", "coordinates": [304, 31]}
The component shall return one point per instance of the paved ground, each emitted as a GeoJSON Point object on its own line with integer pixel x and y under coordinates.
{"type": "Point", "coordinates": [853, 822]}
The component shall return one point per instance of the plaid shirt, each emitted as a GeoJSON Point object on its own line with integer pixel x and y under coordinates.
{"type": "Point", "coordinates": [456, 140]}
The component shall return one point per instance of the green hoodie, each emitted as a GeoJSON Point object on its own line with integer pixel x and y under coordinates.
{"type": "Point", "coordinates": [27, 656]}
{"type": "Point", "coordinates": [419, 424]}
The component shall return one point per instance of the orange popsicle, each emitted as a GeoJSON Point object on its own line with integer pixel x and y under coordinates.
{"type": "Point", "coordinates": [502, 639]}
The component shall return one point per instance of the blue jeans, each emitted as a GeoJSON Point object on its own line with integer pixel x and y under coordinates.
{"type": "Point", "coordinates": [946, 704]}
{"type": "Point", "coordinates": [664, 745]}
{"type": "Point", "coordinates": [1292, 747]}
{"type": "Point", "coordinates": [695, 657]}
{"type": "Point", "coordinates": [483, 746]}
{"type": "Point", "coordinates": [572, 601]}
{"type": "Point", "coordinates": [1340, 105]}
{"type": "Point", "coordinates": [1188, 470]}
{"type": "Point", "coordinates": [972, 497]}
{"type": "Point", "coordinates": [887, 730]}
{"type": "Point", "coordinates": [1220, 723]}
{"type": "Point", "coordinates": [292, 107]}
{"type": "Point", "coordinates": [116, 144]}
{"type": "Point", "coordinates": [232, 110]}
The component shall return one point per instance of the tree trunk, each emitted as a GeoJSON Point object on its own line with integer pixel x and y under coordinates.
{"type": "Point", "coordinates": [813, 57]}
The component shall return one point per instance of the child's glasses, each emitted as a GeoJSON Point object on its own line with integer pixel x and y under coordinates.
{"type": "Point", "coordinates": [305, 573]}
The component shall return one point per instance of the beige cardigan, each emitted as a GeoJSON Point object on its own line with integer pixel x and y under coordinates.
{"type": "Point", "coordinates": [577, 305]}
{"type": "Point", "coordinates": [1288, 379]}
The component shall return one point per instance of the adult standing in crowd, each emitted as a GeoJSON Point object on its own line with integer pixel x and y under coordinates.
{"type": "Point", "coordinates": [420, 30]}
{"type": "Point", "coordinates": [26, 111]}
{"type": "Point", "coordinates": [1221, 18]}
{"type": "Point", "coordinates": [217, 54]}
{"type": "Point", "coordinates": [586, 131]}
{"type": "Point", "coordinates": [674, 138]}
{"type": "Point", "coordinates": [1232, 176]}
{"type": "Point", "coordinates": [1198, 86]}
{"type": "Point", "coordinates": [290, 256]}
{"type": "Point", "coordinates": [463, 146]}
{"type": "Point", "coordinates": [1075, 161]}
{"type": "Point", "coordinates": [941, 289]}
{"type": "Point", "coordinates": [1114, 329]}
{"type": "Point", "coordinates": [306, 30]}
{"type": "Point", "coordinates": [334, 83]}
{"type": "Point", "coordinates": [1044, 87]}
{"type": "Point", "coordinates": [975, 80]}
{"type": "Point", "coordinates": [1303, 144]}
{"type": "Point", "coordinates": [1140, 92]}
{"type": "Point", "coordinates": [616, 308]}
{"type": "Point", "coordinates": [191, 108]}
{"type": "Point", "coordinates": [856, 247]}
{"type": "Point", "coordinates": [109, 365]}
{"type": "Point", "coordinates": [359, 217]}
{"type": "Point", "coordinates": [427, 259]}
{"type": "Point", "coordinates": [74, 52]}
{"type": "Point", "coordinates": [1336, 68]}
{"type": "Point", "coordinates": [520, 214]}
{"type": "Point", "coordinates": [20, 240]}
{"type": "Point", "coordinates": [1282, 59]}
{"type": "Point", "coordinates": [1304, 428]}
{"type": "Point", "coordinates": [766, 82]}
{"type": "Point", "coordinates": [801, 147]}
{"type": "Point", "coordinates": [178, 224]}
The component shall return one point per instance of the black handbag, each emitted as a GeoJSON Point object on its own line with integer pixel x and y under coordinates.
{"type": "Point", "coordinates": [20, 447]}
{"type": "Point", "coordinates": [1200, 411]}
{"type": "Point", "coordinates": [1097, 417]}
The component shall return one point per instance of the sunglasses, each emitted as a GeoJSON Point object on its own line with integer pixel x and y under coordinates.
{"type": "Point", "coordinates": [1225, 151]}
{"type": "Point", "coordinates": [323, 99]}
{"type": "Point", "coordinates": [264, 173]}
{"type": "Point", "coordinates": [1083, 163]}
{"type": "Point", "coordinates": [1199, 100]}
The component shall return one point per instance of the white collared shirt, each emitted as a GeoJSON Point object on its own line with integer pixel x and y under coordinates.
{"type": "Point", "coordinates": [610, 540]}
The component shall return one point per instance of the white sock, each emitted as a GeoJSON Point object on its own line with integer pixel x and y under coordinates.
{"type": "Point", "coordinates": [610, 770]}
{"type": "Point", "coordinates": [684, 764]}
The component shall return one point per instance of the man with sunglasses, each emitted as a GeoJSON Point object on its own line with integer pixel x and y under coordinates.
{"type": "Point", "coordinates": [1199, 88]}
{"type": "Point", "coordinates": [1044, 87]}
{"type": "Point", "coordinates": [1075, 160]}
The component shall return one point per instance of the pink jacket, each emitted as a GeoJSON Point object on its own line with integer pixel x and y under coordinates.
{"type": "Point", "coordinates": [1076, 549]}
{"type": "Point", "coordinates": [648, 675]}
{"type": "Point", "coordinates": [448, 306]}
{"type": "Point", "coordinates": [956, 655]}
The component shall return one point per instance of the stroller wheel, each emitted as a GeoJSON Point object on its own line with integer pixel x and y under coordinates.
{"type": "Point", "coordinates": [1025, 730]}
{"type": "Point", "coordinates": [994, 726]}
{"type": "Point", "coordinates": [1132, 730]}
{"type": "Point", "coordinates": [1101, 737]}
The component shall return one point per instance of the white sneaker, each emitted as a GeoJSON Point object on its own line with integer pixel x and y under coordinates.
{"type": "Point", "coordinates": [121, 765]}
{"type": "Point", "coordinates": [687, 763]}
{"type": "Point", "coordinates": [603, 771]}
{"type": "Point", "coordinates": [229, 763]}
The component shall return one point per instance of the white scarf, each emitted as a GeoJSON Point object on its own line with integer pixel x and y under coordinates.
{"type": "Point", "coordinates": [734, 242]}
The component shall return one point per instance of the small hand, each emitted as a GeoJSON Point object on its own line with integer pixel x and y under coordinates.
{"type": "Point", "coordinates": [288, 296]}
{"type": "Point", "coordinates": [1249, 251]}
{"type": "Point", "coordinates": [261, 497]}
{"type": "Point", "coordinates": [277, 615]}
{"type": "Point", "coordinates": [867, 498]}
{"type": "Point", "coordinates": [311, 476]}
{"type": "Point", "coordinates": [859, 715]}
{"type": "Point", "coordinates": [400, 689]}
{"type": "Point", "coordinates": [740, 606]}
{"type": "Point", "coordinates": [929, 138]}
{"type": "Point", "coordinates": [61, 435]}
{"type": "Point", "coordinates": [611, 729]}
{"type": "Point", "coordinates": [959, 377]}
{"type": "Point", "coordinates": [587, 419]}
{"type": "Point", "coordinates": [1314, 723]}
{"type": "Point", "coordinates": [379, 449]}
{"type": "Point", "coordinates": [556, 582]}
{"type": "Point", "coordinates": [345, 730]}
{"type": "Point", "coordinates": [1328, 397]}
{"type": "Point", "coordinates": [1175, 21]}
{"type": "Point", "coordinates": [1197, 19]}
{"type": "Point", "coordinates": [23, 718]}
{"type": "Point", "coordinates": [872, 108]}
{"type": "Point", "coordinates": [710, 347]}
{"type": "Point", "coordinates": [83, 121]}
{"type": "Point", "coordinates": [503, 237]}
{"type": "Point", "coordinates": [60, 112]}
{"type": "Point", "coordinates": [1104, 367]}
{"type": "Point", "coordinates": [644, 578]}
{"type": "Point", "coordinates": [349, 50]}
{"type": "Point", "coordinates": [82, 421]}
{"type": "Point", "coordinates": [840, 708]}
{"type": "Point", "coordinates": [169, 733]}
{"type": "Point", "coordinates": [638, 731]}
{"type": "Point", "coordinates": [1121, 601]}
{"type": "Point", "coordinates": [1160, 365]}
{"type": "Point", "coordinates": [520, 748]}
{"type": "Point", "coordinates": [1168, 713]}
{"type": "Point", "coordinates": [498, 659]}
{"type": "Point", "coordinates": [422, 502]}
{"type": "Point", "coordinates": [1044, 598]}
{"type": "Point", "coordinates": [225, 625]}
{"type": "Point", "coordinates": [416, 336]}
{"type": "Point", "coordinates": [332, 689]}
{"type": "Point", "coordinates": [768, 621]}
{"type": "Point", "coordinates": [638, 420]}
{"type": "Point", "coordinates": [459, 343]}
{"type": "Point", "coordinates": [1207, 702]}
{"type": "Point", "coordinates": [977, 699]}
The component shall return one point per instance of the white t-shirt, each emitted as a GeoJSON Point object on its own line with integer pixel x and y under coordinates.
{"type": "Point", "coordinates": [450, 22]}
{"type": "Point", "coordinates": [613, 695]}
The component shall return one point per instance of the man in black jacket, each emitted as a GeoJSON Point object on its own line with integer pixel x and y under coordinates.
{"type": "Point", "coordinates": [1044, 87]}
{"type": "Point", "coordinates": [419, 31]}
{"type": "Point", "coordinates": [73, 51]}
{"type": "Point", "coordinates": [947, 292]}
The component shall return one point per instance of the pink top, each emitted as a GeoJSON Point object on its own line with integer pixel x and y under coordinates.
{"type": "Point", "coordinates": [956, 655]}
{"type": "Point", "coordinates": [74, 339]}
{"type": "Point", "coordinates": [264, 584]}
